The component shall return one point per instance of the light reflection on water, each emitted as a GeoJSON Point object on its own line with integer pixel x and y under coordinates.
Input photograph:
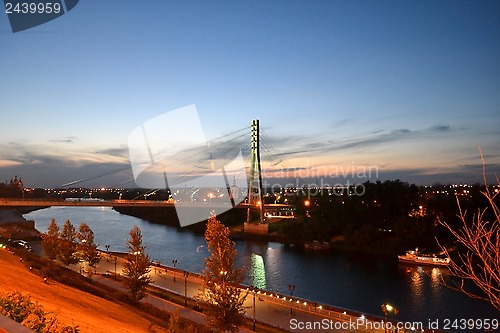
{"type": "Point", "coordinates": [349, 281]}
{"type": "Point", "coordinates": [257, 274]}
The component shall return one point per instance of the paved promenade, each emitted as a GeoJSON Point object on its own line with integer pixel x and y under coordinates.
{"type": "Point", "coordinates": [163, 304]}
{"type": "Point", "coordinates": [293, 315]}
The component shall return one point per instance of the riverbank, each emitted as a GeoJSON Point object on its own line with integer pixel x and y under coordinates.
{"type": "Point", "coordinates": [72, 306]}
{"type": "Point", "coordinates": [14, 226]}
{"type": "Point", "coordinates": [235, 219]}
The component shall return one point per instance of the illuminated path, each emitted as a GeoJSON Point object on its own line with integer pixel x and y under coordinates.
{"type": "Point", "coordinates": [271, 309]}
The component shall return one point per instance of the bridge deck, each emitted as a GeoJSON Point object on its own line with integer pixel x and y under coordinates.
{"type": "Point", "coordinates": [111, 203]}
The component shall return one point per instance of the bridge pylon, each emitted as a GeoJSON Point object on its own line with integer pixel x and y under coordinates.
{"type": "Point", "coordinates": [255, 195]}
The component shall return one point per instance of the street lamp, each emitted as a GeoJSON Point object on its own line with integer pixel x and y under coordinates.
{"type": "Point", "coordinates": [386, 308]}
{"type": "Point", "coordinates": [291, 287]}
{"type": "Point", "coordinates": [307, 203]}
{"type": "Point", "coordinates": [186, 274]}
{"type": "Point", "coordinates": [174, 262]}
{"type": "Point", "coordinates": [116, 259]}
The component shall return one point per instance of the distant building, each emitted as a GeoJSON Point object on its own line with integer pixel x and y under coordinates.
{"type": "Point", "coordinates": [235, 190]}
{"type": "Point", "coordinates": [12, 189]}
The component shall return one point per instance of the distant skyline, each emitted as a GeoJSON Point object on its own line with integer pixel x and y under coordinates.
{"type": "Point", "coordinates": [409, 88]}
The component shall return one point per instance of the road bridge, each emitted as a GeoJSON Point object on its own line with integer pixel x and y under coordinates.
{"type": "Point", "coordinates": [8, 202]}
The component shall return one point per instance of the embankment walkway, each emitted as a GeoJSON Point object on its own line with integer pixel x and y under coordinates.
{"type": "Point", "coordinates": [281, 311]}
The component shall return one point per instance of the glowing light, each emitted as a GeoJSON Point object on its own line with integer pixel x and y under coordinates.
{"type": "Point", "coordinates": [258, 271]}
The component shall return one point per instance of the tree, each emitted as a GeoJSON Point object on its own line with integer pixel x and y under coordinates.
{"type": "Point", "coordinates": [221, 287]}
{"type": "Point", "coordinates": [481, 238]}
{"type": "Point", "coordinates": [20, 308]}
{"type": "Point", "coordinates": [51, 240]}
{"type": "Point", "coordinates": [68, 244]}
{"type": "Point", "coordinates": [87, 248]}
{"type": "Point", "coordinates": [136, 267]}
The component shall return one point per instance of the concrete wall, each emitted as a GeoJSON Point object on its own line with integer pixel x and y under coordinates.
{"type": "Point", "coordinates": [260, 229]}
{"type": "Point", "coordinates": [10, 326]}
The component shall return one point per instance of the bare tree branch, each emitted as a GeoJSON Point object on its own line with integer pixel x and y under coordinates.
{"type": "Point", "coordinates": [481, 240]}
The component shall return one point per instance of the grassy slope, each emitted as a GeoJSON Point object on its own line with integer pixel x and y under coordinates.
{"type": "Point", "coordinates": [72, 306]}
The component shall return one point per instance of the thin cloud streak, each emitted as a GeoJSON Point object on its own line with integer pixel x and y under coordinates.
{"type": "Point", "coordinates": [373, 139]}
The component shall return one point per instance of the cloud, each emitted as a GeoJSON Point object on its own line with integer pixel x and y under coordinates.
{"type": "Point", "coordinates": [42, 164]}
{"type": "Point", "coordinates": [478, 167]}
{"type": "Point", "coordinates": [51, 164]}
{"type": "Point", "coordinates": [54, 171]}
{"type": "Point", "coordinates": [66, 139]}
{"type": "Point", "coordinates": [118, 152]}
{"type": "Point", "coordinates": [439, 128]}
{"type": "Point", "coordinates": [49, 152]}
{"type": "Point", "coordinates": [304, 146]}
{"type": "Point", "coordinates": [9, 163]}
{"type": "Point", "coordinates": [477, 157]}
{"type": "Point", "coordinates": [341, 122]}
{"type": "Point", "coordinates": [337, 145]}
{"type": "Point", "coordinates": [402, 131]}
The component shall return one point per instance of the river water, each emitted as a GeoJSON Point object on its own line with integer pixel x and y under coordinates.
{"type": "Point", "coordinates": [349, 281]}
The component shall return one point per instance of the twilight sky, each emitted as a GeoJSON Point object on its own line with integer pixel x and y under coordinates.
{"type": "Point", "coordinates": [407, 88]}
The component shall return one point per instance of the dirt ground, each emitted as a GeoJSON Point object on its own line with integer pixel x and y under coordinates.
{"type": "Point", "coordinates": [72, 306]}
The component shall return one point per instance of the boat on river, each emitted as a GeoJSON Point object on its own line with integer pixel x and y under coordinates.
{"type": "Point", "coordinates": [315, 245]}
{"type": "Point", "coordinates": [413, 257]}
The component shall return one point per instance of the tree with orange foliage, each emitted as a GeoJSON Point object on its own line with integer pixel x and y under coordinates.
{"type": "Point", "coordinates": [221, 287]}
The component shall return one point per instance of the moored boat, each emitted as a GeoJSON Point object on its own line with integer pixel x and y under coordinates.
{"type": "Point", "coordinates": [315, 245]}
{"type": "Point", "coordinates": [413, 257]}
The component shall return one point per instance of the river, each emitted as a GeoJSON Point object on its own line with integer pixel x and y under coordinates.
{"type": "Point", "coordinates": [350, 281]}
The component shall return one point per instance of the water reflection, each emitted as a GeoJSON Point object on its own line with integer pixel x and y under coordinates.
{"type": "Point", "coordinates": [426, 287]}
{"type": "Point", "coordinates": [417, 281]}
{"type": "Point", "coordinates": [436, 281]}
{"type": "Point", "coordinates": [258, 272]}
